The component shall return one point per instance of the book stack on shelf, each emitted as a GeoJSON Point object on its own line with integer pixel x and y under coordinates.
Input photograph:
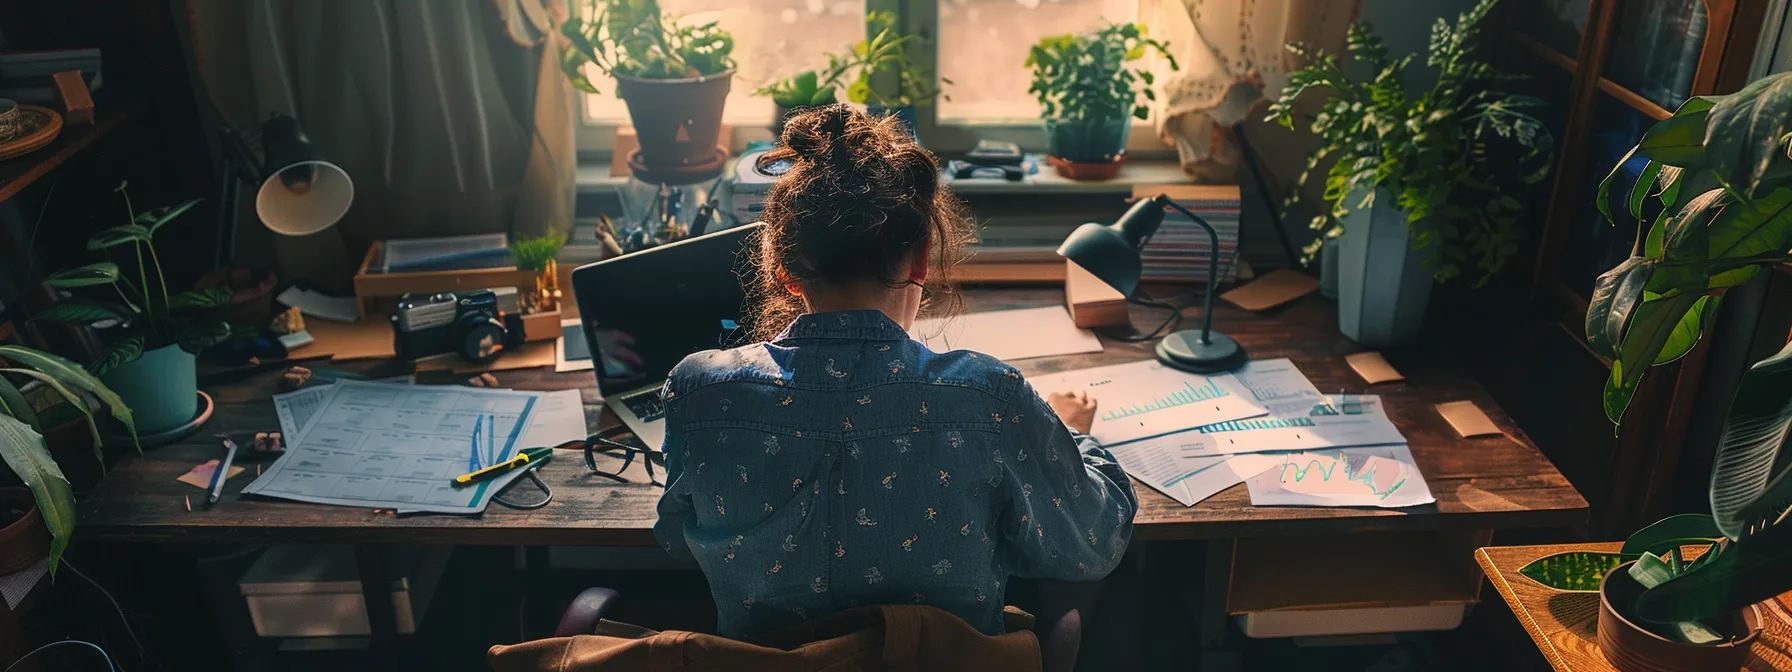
{"type": "Point", "coordinates": [1179, 251]}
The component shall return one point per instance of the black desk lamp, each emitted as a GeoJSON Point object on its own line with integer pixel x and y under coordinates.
{"type": "Point", "coordinates": [298, 191]}
{"type": "Point", "coordinates": [1111, 253]}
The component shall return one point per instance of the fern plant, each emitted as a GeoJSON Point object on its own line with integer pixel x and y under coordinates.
{"type": "Point", "coordinates": [151, 317]}
{"type": "Point", "coordinates": [1446, 155]}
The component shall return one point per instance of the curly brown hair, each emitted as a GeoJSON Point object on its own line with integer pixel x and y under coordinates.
{"type": "Point", "coordinates": [860, 197]}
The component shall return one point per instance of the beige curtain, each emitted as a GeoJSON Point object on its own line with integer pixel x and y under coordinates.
{"type": "Point", "coordinates": [1232, 57]}
{"type": "Point", "coordinates": [451, 116]}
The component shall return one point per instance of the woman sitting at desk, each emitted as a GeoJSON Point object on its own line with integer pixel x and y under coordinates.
{"type": "Point", "coordinates": [839, 463]}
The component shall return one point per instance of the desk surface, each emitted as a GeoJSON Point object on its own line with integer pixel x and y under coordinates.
{"type": "Point", "coordinates": [1483, 483]}
{"type": "Point", "coordinates": [1565, 625]}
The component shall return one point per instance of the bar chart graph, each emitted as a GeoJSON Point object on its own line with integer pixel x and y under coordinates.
{"type": "Point", "coordinates": [1188, 394]}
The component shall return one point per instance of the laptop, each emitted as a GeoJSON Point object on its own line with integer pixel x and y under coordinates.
{"type": "Point", "coordinates": [643, 312]}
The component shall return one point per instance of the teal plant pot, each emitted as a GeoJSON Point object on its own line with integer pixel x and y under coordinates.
{"type": "Point", "coordinates": [1383, 283]}
{"type": "Point", "coordinates": [161, 388]}
{"type": "Point", "coordinates": [1087, 140]}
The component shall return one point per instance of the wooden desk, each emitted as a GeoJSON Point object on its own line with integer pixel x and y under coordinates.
{"type": "Point", "coordinates": [1480, 484]}
{"type": "Point", "coordinates": [1564, 626]}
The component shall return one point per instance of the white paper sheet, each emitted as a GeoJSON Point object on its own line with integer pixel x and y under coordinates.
{"type": "Point", "coordinates": [1189, 479]}
{"type": "Point", "coordinates": [1275, 384]}
{"type": "Point", "coordinates": [1008, 334]}
{"type": "Point", "coordinates": [1145, 399]}
{"type": "Point", "coordinates": [296, 408]}
{"type": "Point", "coordinates": [399, 447]}
{"type": "Point", "coordinates": [338, 309]}
{"type": "Point", "coordinates": [1382, 476]}
{"type": "Point", "coordinates": [558, 417]}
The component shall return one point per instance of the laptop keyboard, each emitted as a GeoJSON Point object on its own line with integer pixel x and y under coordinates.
{"type": "Point", "coordinates": [646, 405]}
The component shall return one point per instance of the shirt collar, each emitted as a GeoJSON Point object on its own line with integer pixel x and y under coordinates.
{"type": "Point", "coordinates": [864, 325]}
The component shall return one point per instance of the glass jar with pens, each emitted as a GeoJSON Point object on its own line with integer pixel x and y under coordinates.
{"type": "Point", "coordinates": [656, 213]}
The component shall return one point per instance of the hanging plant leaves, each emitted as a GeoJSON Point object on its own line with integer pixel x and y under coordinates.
{"type": "Point", "coordinates": [1576, 572]}
{"type": "Point", "coordinates": [1605, 295]}
{"type": "Point", "coordinates": [102, 273]}
{"type": "Point", "coordinates": [1678, 140]}
{"type": "Point", "coordinates": [1759, 227]}
{"type": "Point", "coordinates": [13, 403]}
{"type": "Point", "coordinates": [154, 219]}
{"type": "Point", "coordinates": [118, 235]}
{"type": "Point", "coordinates": [68, 372]}
{"type": "Point", "coordinates": [1741, 139]}
{"type": "Point", "coordinates": [1688, 331]}
{"type": "Point", "coordinates": [24, 452]}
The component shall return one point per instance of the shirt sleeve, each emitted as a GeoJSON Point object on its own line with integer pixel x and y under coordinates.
{"type": "Point", "coordinates": [675, 504]}
{"type": "Point", "coordinates": [1069, 505]}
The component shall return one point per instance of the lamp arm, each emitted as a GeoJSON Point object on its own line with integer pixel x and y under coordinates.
{"type": "Point", "coordinates": [1213, 263]}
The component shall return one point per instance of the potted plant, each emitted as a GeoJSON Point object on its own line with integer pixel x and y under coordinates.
{"type": "Point", "coordinates": [1662, 609]}
{"type": "Point", "coordinates": [251, 290]}
{"type": "Point", "coordinates": [539, 255]}
{"type": "Point", "coordinates": [886, 81]}
{"type": "Point", "coordinates": [803, 91]}
{"type": "Point", "coordinates": [1418, 184]}
{"type": "Point", "coordinates": [1089, 95]}
{"type": "Point", "coordinates": [1718, 171]}
{"type": "Point", "coordinates": [151, 365]}
{"type": "Point", "coordinates": [39, 521]}
{"type": "Point", "coordinates": [673, 77]}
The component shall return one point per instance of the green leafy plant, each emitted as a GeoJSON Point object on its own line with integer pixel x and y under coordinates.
{"type": "Point", "coordinates": [152, 317]}
{"type": "Point", "coordinates": [533, 254]}
{"type": "Point", "coordinates": [802, 89]}
{"type": "Point", "coordinates": [23, 423]}
{"type": "Point", "coordinates": [884, 74]}
{"type": "Point", "coordinates": [1747, 541]}
{"type": "Point", "coordinates": [635, 39]}
{"type": "Point", "coordinates": [1085, 76]}
{"type": "Point", "coordinates": [1447, 156]}
{"type": "Point", "coordinates": [1718, 170]}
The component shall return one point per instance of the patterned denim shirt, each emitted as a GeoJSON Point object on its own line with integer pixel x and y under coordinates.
{"type": "Point", "coordinates": [843, 464]}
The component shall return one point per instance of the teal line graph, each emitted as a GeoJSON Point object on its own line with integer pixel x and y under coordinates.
{"type": "Point", "coordinates": [1256, 423]}
{"type": "Point", "coordinates": [1189, 394]}
{"type": "Point", "coordinates": [1366, 478]}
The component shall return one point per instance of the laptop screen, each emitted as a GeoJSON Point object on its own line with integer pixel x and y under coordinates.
{"type": "Point", "coordinates": [644, 312]}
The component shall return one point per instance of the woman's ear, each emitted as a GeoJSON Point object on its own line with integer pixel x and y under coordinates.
{"type": "Point", "coordinates": [917, 263]}
{"type": "Point", "coordinates": [790, 285]}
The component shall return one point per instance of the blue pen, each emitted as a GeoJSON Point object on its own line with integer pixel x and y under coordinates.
{"type": "Point", "coordinates": [473, 455]}
{"type": "Point", "coordinates": [491, 436]}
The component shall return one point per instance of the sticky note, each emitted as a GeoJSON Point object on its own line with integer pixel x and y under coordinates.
{"type": "Point", "coordinates": [1468, 419]}
{"type": "Point", "coordinates": [201, 476]}
{"type": "Point", "coordinates": [1273, 289]}
{"type": "Point", "coordinates": [1373, 367]}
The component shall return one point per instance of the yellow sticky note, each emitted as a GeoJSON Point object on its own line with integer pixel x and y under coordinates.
{"type": "Point", "coordinates": [201, 476]}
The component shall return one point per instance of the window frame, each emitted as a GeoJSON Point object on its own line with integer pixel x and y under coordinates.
{"type": "Point", "coordinates": [921, 18]}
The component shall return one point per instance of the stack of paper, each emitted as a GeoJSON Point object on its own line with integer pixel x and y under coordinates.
{"type": "Point", "coordinates": [1248, 426]}
{"type": "Point", "coordinates": [396, 446]}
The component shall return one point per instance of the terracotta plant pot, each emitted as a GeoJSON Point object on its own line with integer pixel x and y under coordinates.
{"type": "Point", "coordinates": [26, 540]}
{"type": "Point", "coordinates": [677, 121]}
{"type": "Point", "coordinates": [1631, 648]}
{"type": "Point", "coordinates": [1088, 171]}
{"type": "Point", "coordinates": [252, 304]}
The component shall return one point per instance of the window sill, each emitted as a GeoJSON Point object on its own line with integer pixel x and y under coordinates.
{"type": "Point", "coordinates": [593, 177]}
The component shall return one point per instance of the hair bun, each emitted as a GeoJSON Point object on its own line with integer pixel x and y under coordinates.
{"type": "Point", "coordinates": [818, 136]}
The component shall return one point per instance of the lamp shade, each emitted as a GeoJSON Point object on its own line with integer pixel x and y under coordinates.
{"type": "Point", "coordinates": [1111, 252]}
{"type": "Point", "coordinates": [302, 193]}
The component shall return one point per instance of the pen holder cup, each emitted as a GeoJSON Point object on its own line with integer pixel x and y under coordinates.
{"type": "Point", "coordinates": [656, 214]}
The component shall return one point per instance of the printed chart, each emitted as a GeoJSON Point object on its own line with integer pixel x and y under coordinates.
{"type": "Point", "coordinates": [1139, 400]}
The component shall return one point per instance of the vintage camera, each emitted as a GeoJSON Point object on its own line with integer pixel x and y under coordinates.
{"type": "Point", "coordinates": [479, 324]}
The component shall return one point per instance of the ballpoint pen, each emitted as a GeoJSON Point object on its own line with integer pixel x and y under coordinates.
{"type": "Point", "coordinates": [222, 473]}
{"type": "Point", "coordinates": [526, 458]}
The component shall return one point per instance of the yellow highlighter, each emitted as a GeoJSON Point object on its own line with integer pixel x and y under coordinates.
{"type": "Point", "coordinates": [528, 457]}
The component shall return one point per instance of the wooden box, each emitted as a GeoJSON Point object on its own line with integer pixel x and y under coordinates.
{"type": "Point", "coordinates": [377, 293]}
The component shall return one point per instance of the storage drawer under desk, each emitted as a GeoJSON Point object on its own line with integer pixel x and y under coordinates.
{"type": "Point", "coordinates": [1371, 582]}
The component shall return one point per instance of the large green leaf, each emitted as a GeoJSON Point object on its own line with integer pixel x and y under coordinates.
{"type": "Point", "coordinates": [73, 399]}
{"type": "Point", "coordinates": [1746, 131]}
{"type": "Point", "coordinates": [1647, 332]}
{"type": "Point", "coordinates": [1605, 293]}
{"type": "Point", "coordinates": [1617, 393]}
{"type": "Point", "coordinates": [120, 354]}
{"type": "Point", "coordinates": [1670, 533]}
{"type": "Point", "coordinates": [118, 235]}
{"type": "Point", "coordinates": [1761, 226]}
{"type": "Point", "coordinates": [1749, 448]}
{"type": "Point", "coordinates": [72, 374]}
{"type": "Point", "coordinates": [1644, 184]}
{"type": "Point", "coordinates": [1736, 574]}
{"type": "Point", "coordinates": [102, 273]}
{"type": "Point", "coordinates": [1625, 299]}
{"type": "Point", "coordinates": [1602, 198]}
{"type": "Point", "coordinates": [1576, 572]}
{"type": "Point", "coordinates": [154, 219]}
{"type": "Point", "coordinates": [1687, 333]}
{"type": "Point", "coordinates": [25, 453]}
{"type": "Point", "coordinates": [82, 312]}
{"type": "Point", "coordinates": [1676, 141]}
{"type": "Point", "coordinates": [13, 403]}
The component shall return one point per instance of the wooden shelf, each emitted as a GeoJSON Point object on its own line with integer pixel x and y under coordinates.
{"type": "Point", "coordinates": [1546, 52]}
{"type": "Point", "coordinates": [17, 174]}
{"type": "Point", "coordinates": [1635, 101]}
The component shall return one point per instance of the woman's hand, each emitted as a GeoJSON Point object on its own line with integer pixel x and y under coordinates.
{"type": "Point", "coordinates": [1076, 409]}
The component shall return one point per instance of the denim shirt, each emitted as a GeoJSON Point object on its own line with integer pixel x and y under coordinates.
{"type": "Point", "coordinates": [843, 464]}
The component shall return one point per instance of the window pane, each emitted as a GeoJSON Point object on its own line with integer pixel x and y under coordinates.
{"type": "Point", "coordinates": [983, 44]}
{"type": "Point", "coordinates": [772, 39]}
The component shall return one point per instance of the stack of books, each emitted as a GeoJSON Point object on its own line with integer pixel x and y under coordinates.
{"type": "Point", "coordinates": [1179, 252]}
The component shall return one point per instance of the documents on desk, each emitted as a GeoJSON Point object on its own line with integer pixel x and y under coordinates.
{"type": "Point", "coordinates": [1185, 449]}
{"type": "Point", "coordinates": [1008, 334]}
{"type": "Point", "coordinates": [399, 447]}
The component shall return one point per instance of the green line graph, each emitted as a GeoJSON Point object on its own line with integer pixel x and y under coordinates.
{"type": "Point", "coordinates": [1366, 477]}
{"type": "Point", "coordinates": [1189, 394]}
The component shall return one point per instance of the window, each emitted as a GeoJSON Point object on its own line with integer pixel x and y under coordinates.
{"type": "Point", "coordinates": [983, 44]}
{"type": "Point", "coordinates": [772, 39]}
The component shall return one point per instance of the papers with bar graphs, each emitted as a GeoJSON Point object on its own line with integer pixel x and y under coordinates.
{"type": "Point", "coordinates": [1159, 423]}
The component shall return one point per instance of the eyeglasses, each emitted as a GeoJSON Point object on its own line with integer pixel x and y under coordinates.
{"type": "Point", "coordinates": [595, 445]}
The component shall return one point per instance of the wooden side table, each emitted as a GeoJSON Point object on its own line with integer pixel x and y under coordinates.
{"type": "Point", "coordinates": [1565, 625]}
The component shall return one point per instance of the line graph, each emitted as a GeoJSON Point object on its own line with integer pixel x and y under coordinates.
{"type": "Point", "coordinates": [1189, 394]}
{"type": "Point", "coordinates": [1365, 475]}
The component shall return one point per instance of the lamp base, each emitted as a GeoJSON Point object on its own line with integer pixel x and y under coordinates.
{"type": "Point", "coordinates": [1184, 350]}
